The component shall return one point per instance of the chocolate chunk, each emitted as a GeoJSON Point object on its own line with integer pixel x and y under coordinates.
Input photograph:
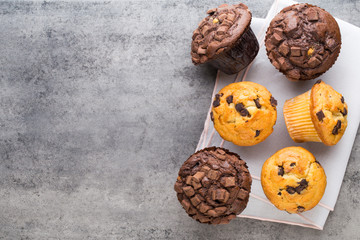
{"type": "Point", "coordinates": [290, 190]}
{"type": "Point", "coordinates": [320, 115]}
{"type": "Point", "coordinates": [342, 99]}
{"type": "Point", "coordinates": [291, 23]}
{"type": "Point", "coordinates": [314, 62]}
{"type": "Point", "coordinates": [276, 39]}
{"type": "Point", "coordinates": [293, 164]}
{"type": "Point", "coordinates": [242, 194]}
{"type": "Point", "coordinates": [279, 193]}
{"type": "Point", "coordinates": [220, 210]}
{"type": "Point", "coordinates": [300, 209]}
{"type": "Point", "coordinates": [229, 99]}
{"type": "Point", "coordinates": [283, 49]}
{"type": "Point", "coordinates": [344, 112]}
{"type": "Point", "coordinates": [186, 204]}
{"type": "Point", "coordinates": [178, 188]}
{"type": "Point", "coordinates": [201, 51]}
{"type": "Point", "coordinates": [318, 81]}
{"type": "Point", "coordinates": [335, 131]}
{"type": "Point", "coordinates": [295, 51]}
{"type": "Point", "coordinates": [206, 182]}
{"type": "Point", "coordinates": [273, 101]}
{"type": "Point", "coordinates": [203, 207]}
{"type": "Point", "coordinates": [189, 191]}
{"type": "Point", "coordinates": [302, 185]}
{"type": "Point", "coordinates": [284, 64]}
{"type": "Point", "coordinates": [257, 103]}
{"type": "Point", "coordinates": [220, 195]}
{"type": "Point", "coordinates": [257, 133]}
{"type": "Point", "coordinates": [243, 111]}
{"type": "Point", "coordinates": [198, 176]}
{"type": "Point", "coordinates": [278, 31]}
{"type": "Point", "coordinates": [312, 15]}
{"type": "Point", "coordinates": [212, 116]}
{"type": "Point", "coordinates": [281, 171]}
{"type": "Point", "coordinates": [331, 44]}
{"type": "Point", "coordinates": [293, 73]}
{"type": "Point", "coordinates": [228, 181]}
{"type": "Point", "coordinates": [196, 200]}
{"type": "Point", "coordinates": [213, 175]}
{"type": "Point", "coordinates": [216, 103]}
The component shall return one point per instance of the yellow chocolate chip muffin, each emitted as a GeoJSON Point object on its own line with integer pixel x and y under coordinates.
{"type": "Point", "coordinates": [293, 180]}
{"type": "Point", "coordinates": [244, 113]}
{"type": "Point", "coordinates": [319, 115]}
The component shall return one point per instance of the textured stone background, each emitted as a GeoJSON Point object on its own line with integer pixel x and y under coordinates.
{"type": "Point", "coordinates": [100, 105]}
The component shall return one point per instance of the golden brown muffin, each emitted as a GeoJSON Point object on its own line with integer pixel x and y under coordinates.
{"type": "Point", "coordinates": [319, 115]}
{"type": "Point", "coordinates": [293, 180]}
{"type": "Point", "coordinates": [244, 113]}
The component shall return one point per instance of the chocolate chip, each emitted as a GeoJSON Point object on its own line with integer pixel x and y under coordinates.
{"type": "Point", "coordinates": [279, 193]}
{"type": "Point", "coordinates": [318, 81]}
{"type": "Point", "coordinates": [317, 162]}
{"type": "Point", "coordinates": [314, 62]}
{"type": "Point", "coordinates": [290, 190]}
{"type": "Point", "coordinates": [283, 49]}
{"type": "Point", "coordinates": [344, 112]}
{"type": "Point", "coordinates": [257, 103]}
{"type": "Point", "coordinates": [300, 209]}
{"type": "Point", "coordinates": [335, 131]}
{"type": "Point", "coordinates": [229, 99]}
{"type": "Point", "coordinates": [216, 103]}
{"type": "Point", "coordinates": [320, 115]}
{"type": "Point", "coordinates": [302, 185]}
{"type": "Point", "coordinates": [342, 99]}
{"type": "Point", "coordinates": [295, 51]}
{"type": "Point", "coordinates": [281, 171]}
{"type": "Point", "coordinates": [212, 116]}
{"type": "Point", "coordinates": [273, 101]}
{"type": "Point", "coordinates": [257, 133]}
{"type": "Point", "coordinates": [312, 15]}
{"type": "Point", "coordinates": [292, 164]}
{"type": "Point", "coordinates": [243, 111]}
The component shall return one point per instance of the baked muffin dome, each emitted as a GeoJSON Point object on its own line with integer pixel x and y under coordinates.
{"type": "Point", "coordinates": [318, 115]}
{"type": "Point", "coordinates": [293, 180]}
{"type": "Point", "coordinates": [303, 41]}
{"type": "Point", "coordinates": [224, 39]}
{"type": "Point", "coordinates": [244, 113]}
{"type": "Point", "coordinates": [213, 185]}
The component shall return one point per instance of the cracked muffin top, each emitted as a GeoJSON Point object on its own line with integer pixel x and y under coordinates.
{"type": "Point", "coordinates": [293, 180]}
{"type": "Point", "coordinates": [244, 113]}
{"type": "Point", "coordinates": [303, 41]}
{"type": "Point", "coordinates": [328, 111]}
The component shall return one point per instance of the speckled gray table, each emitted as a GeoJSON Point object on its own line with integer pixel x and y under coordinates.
{"type": "Point", "coordinates": [100, 105]}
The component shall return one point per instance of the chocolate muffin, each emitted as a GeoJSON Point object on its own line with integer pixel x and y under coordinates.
{"type": "Point", "coordinates": [303, 41]}
{"type": "Point", "coordinates": [213, 185]}
{"type": "Point", "coordinates": [224, 39]}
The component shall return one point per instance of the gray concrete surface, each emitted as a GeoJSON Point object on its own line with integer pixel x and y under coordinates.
{"type": "Point", "coordinates": [100, 105]}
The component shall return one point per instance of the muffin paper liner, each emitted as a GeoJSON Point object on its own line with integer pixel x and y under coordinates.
{"type": "Point", "coordinates": [298, 119]}
{"type": "Point", "coordinates": [343, 76]}
{"type": "Point", "coordinates": [239, 56]}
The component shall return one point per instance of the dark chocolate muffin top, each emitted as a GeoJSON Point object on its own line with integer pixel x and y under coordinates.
{"type": "Point", "coordinates": [213, 185]}
{"type": "Point", "coordinates": [219, 31]}
{"type": "Point", "coordinates": [303, 41]}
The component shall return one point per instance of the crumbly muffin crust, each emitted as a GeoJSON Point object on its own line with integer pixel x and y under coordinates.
{"type": "Point", "coordinates": [244, 113]}
{"type": "Point", "coordinates": [293, 180]}
{"type": "Point", "coordinates": [303, 41]}
{"type": "Point", "coordinates": [213, 185]}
